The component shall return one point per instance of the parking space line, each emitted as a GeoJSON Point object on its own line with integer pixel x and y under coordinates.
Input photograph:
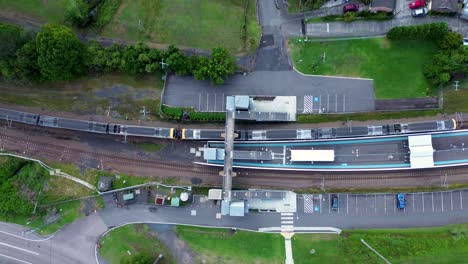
{"type": "Point", "coordinates": [222, 104]}
{"type": "Point", "coordinates": [385, 203]}
{"type": "Point", "coordinates": [442, 199]}
{"type": "Point", "coordinates": [347, 199]}
{"type": "Point", "coordinates": [329, 201]}
{"type": "Point", "coordinates": [336, 103]}
{"type": "Point", "coordinates": [344, 103]}
{"type": "Point", "coordinates": [215, 103]}
{"type": "Point", "coordinates": [356, 203]}
{"type": "Point", "coordinates": [320, 103]}
{"type": "Point", "coordinates": [461, 200]}
{"type": "Point", "coordinates": [199, 101]}
{"type": "Point", "coordinates": [451, 200]}
{"type": "Point", "coordinates": [423, 201]}
{"type": "Point", "coordinates": [432, 202]}
{"type": "Point", "coordinates": [375, 203]}
{"type": "Point", "coordinates": [412, 197]}
{"type": "Point", "coordinates": [328, 102]}
{"type": "Point", "coordinates": [207, 100]}
{"type": "Point", "coordinates": [320, 200]}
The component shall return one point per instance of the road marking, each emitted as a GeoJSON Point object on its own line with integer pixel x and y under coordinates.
{"type": "Point", "coordinates": [336, 103]}
{"type": "Point", "coordinates": [356, 204]}
{"type": "Point", "coordinates": [287, 218]}
{"type": "Point", "coordinates": [451, 200]}
{"type": "Point", "coordinates": [19, 260]}
{"type": "Point", "coordinates": [385, 203]}
{"type": "Point", "coordinates": [423, 201]}
{"type": "Point", "coordinates": [320, 201]}
{"type": "Point", "coordinates": [329, 202]}
{"type": "Point", "coordinates": [344, 103]}
{"type": "Point", "coordinates": [328, 28]}
{"type": "Point", "coordinates": [328, 102]}
{"type": "Point", "coordinates": [347, 199]}
{"type": "Point", "coordinates": [432, 202]}
{"type": "Point", "coordinates": [27, 239]}
{"type": "Point", "coordinates": [287, 214]}
{"type": "Point", "coordinates": [412, 197]}
{"type": "Point", "coordinates": [207, 101]}
{"type": "Point", "coordinates": [286, 222]}
{"type": "Point", "coordinates": [461, 200]}
{"type": "Point", "coordinates": [215, 103]}
{"type": "Point", "coordinates": [442, 199]}
{"type": "Point", "coordinates": [199, 101]}
{"type": "Point", "coordinates": [18, 248]}
{"type": "Point", "coordinates": [375, 203]}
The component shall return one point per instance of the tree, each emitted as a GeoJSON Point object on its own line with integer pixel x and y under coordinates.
{"type": "Point", "coordinates": [26, 62]}
{"type": "Point", "coordinates": [452, 40]}
{"type": "Point", "coordinates": [139, 258]}
{"type": "Point", "coordinates": [220, 66]}
{"type": "Point", "coordinates": [77, 13]}
{"type": "Point", "coordinates": [59, 53]}
{"type": "Point", "coordinates": [349, 16]}
{"type": "Point", "coordinates": [446, 64]}
{"type": "Point", "coordinates": [95, 56]}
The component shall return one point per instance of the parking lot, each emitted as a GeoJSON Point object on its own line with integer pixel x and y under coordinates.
{"type": "Point", "coordinates": [381, 203]}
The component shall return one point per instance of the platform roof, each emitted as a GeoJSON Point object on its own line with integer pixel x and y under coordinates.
{"type": "Point", "coordinates": [421, 151]}
{"type": "Point", "coordinates": [312, 155]}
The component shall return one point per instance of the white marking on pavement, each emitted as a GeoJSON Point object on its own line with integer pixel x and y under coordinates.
{"type": "Point", "coordinates": [347, 199]}
{"type": "Point", "coordinates": [442, 199]}
{"type": "Point", "coordinates": [286, 223]}
{"type": "Point", "coordinates": [19, 260]}
{"type": "Point", "coordinates": [328, 28]}
{"type": "Point", "coordinates": [287, 213]}
{"type": "Point", "coordinates": [18, 248]}
{"type": "Point", "coordinates": [423, 201]}
{"type": "Point", "coordinates": [32, 240]}
{"type": "Point", "coordinates": [432, 202]}
{"type": "Point", "coordinates": [336, 103]}
{"type": "Point", "coordinates": [451, 200]}
{"type": "Point", "coordinates": [287, 218]}
{"type": "Point", "coordinates": [344, 103]}
{"type": "Point", "coordinates": [385, 203]}
{"type": "Point", "coordinates": [412, 198]}
{"type": "Point", "coordinates": [375, 203]}
{"type": "Point", "coordinates": [461, 200]}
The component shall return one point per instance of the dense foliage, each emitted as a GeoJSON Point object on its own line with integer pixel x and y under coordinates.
{"type": "Point", "coordinates": [57, 54]}
{"type": "Point", "coordinates": [85, 13]}
{"type": "Point", "coordinates": [20, 182]}
{"type": "Point", "coordinates": [443, 66]}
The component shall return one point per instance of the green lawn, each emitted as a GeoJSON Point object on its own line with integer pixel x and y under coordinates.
{"type": "Point", "coordinates": [424, 245]}
{"type": "Point", "coordinates": [44, 10]}
{"type": "Point", "coordinates": [197, 23]}
{"type": "Point", "coordinates": [395, 66]}
{"type": "Point", "coordinates": [133, 239]}
{"type": "Point", "coordinates": [150, 147]}
{"type": "Point", "coordinates": [223, 246]}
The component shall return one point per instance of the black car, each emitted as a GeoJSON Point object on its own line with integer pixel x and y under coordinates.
{"type": "Point", "coordinates": [334, 202]}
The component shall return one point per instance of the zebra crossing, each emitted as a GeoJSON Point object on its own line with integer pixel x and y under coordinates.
{"type": "Point", "coordinates": [287, 222]}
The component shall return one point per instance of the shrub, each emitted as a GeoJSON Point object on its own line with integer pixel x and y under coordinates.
{"type": "Point", "coordinates": [172, 112]}
{"type": "Point", "coordinates": [350, 16]}
{"type": "Point", "coordinates": [105, 12]}
{"type": "Point", "coordinates": [434, 31]}
{"type": "Point", "coordinates": [207, 116]}
{"type": "Point", "coordinates": [452, 40]}
{"type": "Point", "coordinates": [77, 13]}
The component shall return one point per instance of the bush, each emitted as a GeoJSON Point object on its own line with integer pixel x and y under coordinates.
{"type": "Point", "coordinates": [452, 40]}
{"type": "Point", "coordinates": [207, 116]}
{"type": "Point", "coordinates": [172, 112]}
{"type": "Point", "coordinates": [350, 16]}
{"type": "Point", "coordinates": [77, 13]}
{"type": "Point", "coordinates": [434, 31]}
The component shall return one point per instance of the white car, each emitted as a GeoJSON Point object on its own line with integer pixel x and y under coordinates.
{"type": "Point", "coordinates": [465, 41]}
{"type": "Point", "coordinates": [419, 12]}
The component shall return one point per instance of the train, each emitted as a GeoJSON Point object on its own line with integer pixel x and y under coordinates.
{"type": "Point", "coordinates": [213, 134]}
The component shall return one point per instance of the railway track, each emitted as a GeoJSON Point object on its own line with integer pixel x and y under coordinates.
{"type": "Point", "coordinates": [63, 151]}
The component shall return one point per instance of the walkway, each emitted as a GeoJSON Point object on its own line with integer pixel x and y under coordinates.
{"type": "Point", "coordinates": [288, 247]}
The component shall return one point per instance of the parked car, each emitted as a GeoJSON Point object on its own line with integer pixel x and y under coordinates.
{"type": "Point", "coordinates": [417, 4]}
{"type": "Point", "coordinates": [419, 12]}
{"type": "Point", "coordinates": [351, 8]}
{"type": "Point", "coordinates": [334, 202]}
{"type": "Point", "coordinates": [465, 41]}
{"type": "Point", "coordinates": [400, 201]}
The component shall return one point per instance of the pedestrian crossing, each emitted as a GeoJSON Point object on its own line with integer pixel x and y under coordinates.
{"type": "Point", "coordinates": [308, 203]}
{"type": "Point", "coordinates": [287, 222]}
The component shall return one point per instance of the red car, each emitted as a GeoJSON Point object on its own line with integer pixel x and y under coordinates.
{"type": "Point", "coordinates": [350, 8]}
{"type": "Point", "coordinates": [417, 4]}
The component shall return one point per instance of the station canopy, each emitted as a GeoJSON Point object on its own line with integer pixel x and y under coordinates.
{"type": "Point", "coordinates": [421, 151]}
{"type": "Point", "coordinates": [312, 155]}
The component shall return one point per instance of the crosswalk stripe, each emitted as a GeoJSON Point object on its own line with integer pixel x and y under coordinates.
{"type": "Point", "coordinates": [287, 218]}
{"type": "Point", "coordinates": [287, 222]}
{"type": "Point", "coordinates": [287, 214]}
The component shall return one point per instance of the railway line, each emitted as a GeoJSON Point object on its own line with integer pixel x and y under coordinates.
{"type": "Point", "coordinates": [61, 150]}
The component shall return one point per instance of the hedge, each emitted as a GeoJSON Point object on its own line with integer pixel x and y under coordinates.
{"type": "Point", "coordinates": [434, 31]}
{"type": "Point", "coordinates": [172, 112]}
{"type": "Point", "coordinates": [207, 116]}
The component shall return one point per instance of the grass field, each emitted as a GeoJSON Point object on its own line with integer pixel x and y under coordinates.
{"type": "Point", "coordinates": [197, 23]}
{"type": "Point", "coordinates": [126, 94]}
{"type": "Point", "coordinates": [224, 246]}
{"type": "Point", "coordinates": [424, 245]}
{"type": "Point", "coordinates": [47, 11]}
{"type": "Point", "coordinates": [395, 66]}
{"type": "Point", "coordinates": [133, 239]}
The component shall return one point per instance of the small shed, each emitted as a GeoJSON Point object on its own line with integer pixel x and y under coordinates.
{"type": "Point", "coordinates": [105, 183]}
{"type": "Point", "coordinates": [128, 196]}
{"type": "Point", "coordinates": [237, 208]}
{"type": "Point", "coordinates": [175, 201]}
{"type": "Point", "coordinates": [444, 6]}
{"type": "Point", "coordinates": [421, 151]}
{"type": "Point", "coordinates": [312, 155]}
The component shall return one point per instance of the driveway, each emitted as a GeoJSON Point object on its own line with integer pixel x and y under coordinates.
{"type": "Point", "coordinates": [314, 93]}
{"type": "Point", "coordinates": [376, 28]}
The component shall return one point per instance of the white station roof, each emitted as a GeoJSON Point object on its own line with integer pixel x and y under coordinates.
{"type": "Point", "coordinates": [421, 151]}
{"type": "Point", "coordinates": [312, 155]}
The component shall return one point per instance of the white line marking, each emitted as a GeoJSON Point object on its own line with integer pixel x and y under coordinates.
{"type": "Point", "coordinates": [199, 101]}
{"type": "Point", "coordinates": [19, 260]}
{"type": "Point", "coordinates": [375, 203]}
{"type": "Point", "coordinates": [18, 248]}
{"type": "Point", "coordinates": [207, 101]}
{"type": "Point", "coordinates": [329, 202]}
{"type": "Point", "coordinates": [328, 28]}
{"type": "Point", "coordinates": [336, 103]}
{"type": "Point", "coordinates": [286, 222]}
{"type": "Point", "coordinates": [287, 218]}
{"type": "Point", "coordinates": [344, 103]}
{"type": "Point", "coordinates": [442, 199]}
{"type": "Point", "coordinates": [287, 213]}
{"type": "Point", "coordinates": [423, 201]}
{"type": "Point", "coordinates": [385, 203]}
{"type": "Point", "coordinates": [432, 202]}
{"type": "Point", "coordinates": [461, 200]}
{"type": "Point", "coordinates": [347, 199]}
{"type": "Point", "coordinates": [412, 198]}
{"type": "Point", "coordinates": [27, 239]}
{"type": "Point", "coordinates": [451, 200]}
{"type": "Point", "coordinates": [320, 200]}
{"type": "Point", "coordinates": [215, 103]}
{"type": "Point", "coordinates": [328, 102]}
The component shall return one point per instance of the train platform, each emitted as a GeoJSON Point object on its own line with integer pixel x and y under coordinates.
{"type": "Point", "coordinates": [437, 149]}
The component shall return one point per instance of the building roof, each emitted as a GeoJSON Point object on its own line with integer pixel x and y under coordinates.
{"type": "Point", "coordinates": [215, 194]}
{"type": "Point", "coordinates": [128, 196]}
{"type": "Point", "coordinates": [382, 5]}
{"type": "Point", "coordinates": [421, 151]}
{"type": "Point", "coordinates": [312, 155]}
{"type": "Point", "coordinates": [241, 102]}
{"type": "Point", "coordinates": [105, 183]}
{"type": "Point", "coordinates": [175, 201]}
{"type": "Point", "coordinates": [237, 208]}
{"type": "Point", "coordinates": [450, 6]}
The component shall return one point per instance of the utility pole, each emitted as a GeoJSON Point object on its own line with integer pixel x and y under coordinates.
{"type": "Point", "coordinates": [456, 85]}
